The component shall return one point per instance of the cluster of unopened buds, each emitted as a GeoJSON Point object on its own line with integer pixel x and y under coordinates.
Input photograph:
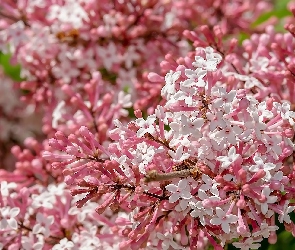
{"type": "Point", "coordinates": [159, 130]}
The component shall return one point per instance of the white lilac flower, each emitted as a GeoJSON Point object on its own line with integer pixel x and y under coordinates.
{"type": "Point", "coordinates": [265, 230]}
{"type": "Point", "coordinates": [63, 244]}
{"type": "Point", "coordinates": [230, 133]}
{"type": "Point", "coordinates": [32, 242]}
{"type": "Point", "coordinates": [208, 183]}
{"type": "Point", "coordinates": [223, 219]}
{"type": "Point", "coordinates": [43, 224]}
{"type": "Point", "coordinates": [211, 61]}
{"type": "Point", "coordinates": [224, 99]}
{"type": "Point", "coordinates": [179, 155]}
{"type": "Point", "coordinates": [195, 74]}
{"type": "Point", "coordinates": [284, 215]}
{"type": "Point", "coordinates": [261, 165]}
{"type": "Point", "coordinates": [272, 144]}
{"type": "Point", "coordinates": [8, 217]}
{"type": "Point", "coordinates": [169, 89]}
{"type": "Point", "coordinates": [229, 159]}
{"type": "Point", "coordinates": [167, 241]}
{"type": "Point", "coordinates": [186, 96]}
{"type": "Point", "coordinates": [248, 244]}
{"type": "Point", "coordinates": [269, 199]}
{"type": "Point", "coordinates": [143, 155]}
{"type": "Point", "coordinates": [216, 120]}
{"type": "Point", "coordinates": [124, 99]}
{"type": "Point", "coordinates": [6, 187]}
{"type": "Point", "coordinates": [199, 211]}
{"type": "Point", "coordinates": [109, 54]}
{"type": "Point", "coordinates": [182, 190]}
{"type": "Point", "coordinates": [146, 126]}
{"type": "Point", "coordinates": [285, 112]}
{"type": "Point", "coordinates": [191, 126]}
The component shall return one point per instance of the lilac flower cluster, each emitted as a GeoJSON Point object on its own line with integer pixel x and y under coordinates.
{"type": "Point", "coordinates": [211, 161]}
{"type": "Point", "coordinates": [160, 130]}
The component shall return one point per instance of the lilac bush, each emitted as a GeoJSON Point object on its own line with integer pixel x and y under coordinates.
{"type": "Point", "coordinates": [160, 130]}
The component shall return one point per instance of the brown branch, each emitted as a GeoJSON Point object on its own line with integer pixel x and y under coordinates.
{"type": "Point", "coordinates": [132, 189]}
{"type": "Point", "coordinates": [155, 176]}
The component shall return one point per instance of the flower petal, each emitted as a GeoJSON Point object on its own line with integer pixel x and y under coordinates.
{"type": "Point", "coordinates": [172, 188]}
{"type": "Point", "coordinates": [174, 197]}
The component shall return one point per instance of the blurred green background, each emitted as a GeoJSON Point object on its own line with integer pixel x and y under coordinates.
{"type": "Point", "coordinates": [285, 239]}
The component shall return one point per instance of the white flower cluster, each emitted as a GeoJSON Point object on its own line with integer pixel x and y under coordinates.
{"type": "Point", "coordinates": [61, 214]}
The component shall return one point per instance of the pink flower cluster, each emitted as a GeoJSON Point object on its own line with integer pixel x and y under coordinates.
{"type": "Point", "coordinates": [159, 130]}
{"type": "Point", "coordinates": [210, 161]}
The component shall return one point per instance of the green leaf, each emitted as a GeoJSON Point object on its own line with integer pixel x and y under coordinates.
{"type": "Point", "coordinates": [242, 36]}
{"type": "Point", "coordinates": [167, 127]}
{"type": "Point", "coordinates": [280, 10]}
{"type": "Point", "coordinates": [108, 75]}
{"type": "Point", "coordinates": [10, 70]}
{"type": "Point", "coordinates": [285, 241]}
{"type": "Point", "coordinates": [126, 89]}
{"type": "Point", "coordinates": [280, 4]}
{"type": "Point", "coordinates": [131, 112]}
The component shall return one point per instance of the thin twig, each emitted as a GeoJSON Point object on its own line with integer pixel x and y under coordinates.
{"type": "Point", "coordinates": [155, 176]}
